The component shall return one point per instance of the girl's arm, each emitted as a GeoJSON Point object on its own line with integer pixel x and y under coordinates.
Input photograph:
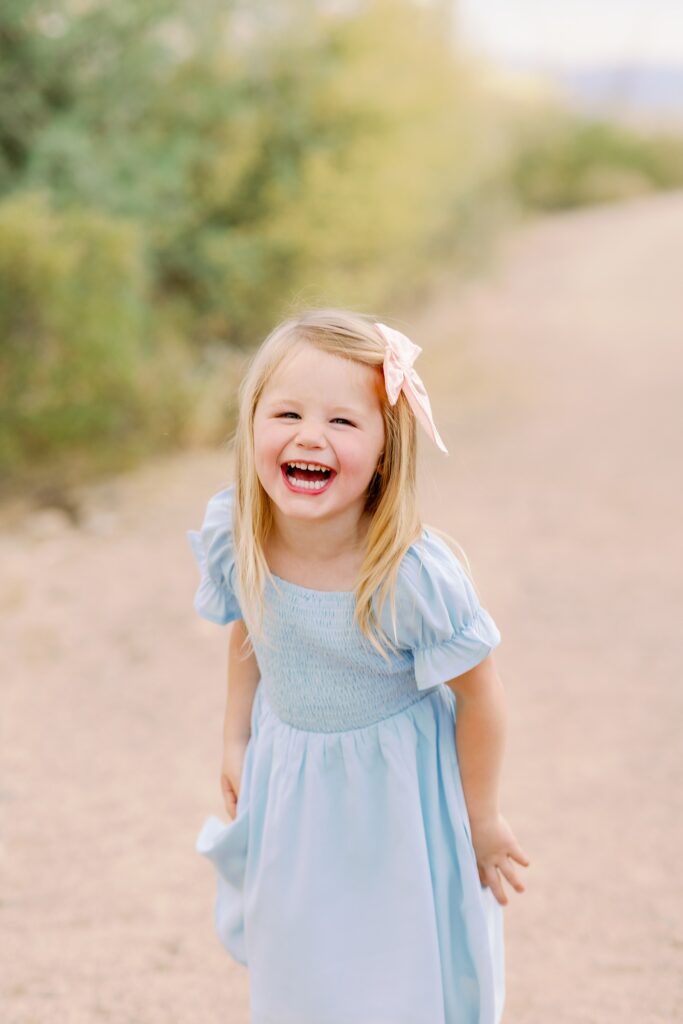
{"type": "Point", "coordinates": [243, 678]}
{"type": "Point", "coordinates": [480, 742]}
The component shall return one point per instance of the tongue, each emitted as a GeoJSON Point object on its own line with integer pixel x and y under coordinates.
{"type": "Point", "coordinates": [309, 474]}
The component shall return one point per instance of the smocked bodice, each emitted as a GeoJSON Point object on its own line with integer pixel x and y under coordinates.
{"type": "Point", "coordinates": [318, 670]}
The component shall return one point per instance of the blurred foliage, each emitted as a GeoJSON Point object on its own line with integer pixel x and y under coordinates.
{"type": "Point", "coordinates": [78, 362]}
{"type": "Point", "coordinates": [175, 177]}
{"type": "Point", "coordinates": [569, 162]}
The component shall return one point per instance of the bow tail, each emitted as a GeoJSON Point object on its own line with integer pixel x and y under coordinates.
{"type": "Point", "coordinates": [420, 404]}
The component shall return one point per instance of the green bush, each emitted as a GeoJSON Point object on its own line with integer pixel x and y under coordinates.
{"type": "Point", "coordinates": [77, 349]}
{"type": "Point", "coordinates": [569, 162]}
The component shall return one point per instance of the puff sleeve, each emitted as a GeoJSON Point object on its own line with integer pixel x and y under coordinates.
{"type": "Point", "coordinates": [215, 598]}
{"type": "Point", "coordinates": [439, 616]}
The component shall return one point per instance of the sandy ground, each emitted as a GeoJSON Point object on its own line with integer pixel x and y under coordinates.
{"type": "Point", "coordinates": [556, 385]}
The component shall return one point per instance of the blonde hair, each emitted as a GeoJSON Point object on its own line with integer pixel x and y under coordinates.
{"type": "Point", "coordinates": [391, 498]}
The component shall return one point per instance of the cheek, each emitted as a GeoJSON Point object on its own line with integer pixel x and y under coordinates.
{"type": "Point", "coordinates": [267, 443]}
{"type": "Point", "coordinates": [356, 457]}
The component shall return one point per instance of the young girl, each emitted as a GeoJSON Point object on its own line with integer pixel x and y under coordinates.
{"type": "Point", "coordinates": [360, 878]}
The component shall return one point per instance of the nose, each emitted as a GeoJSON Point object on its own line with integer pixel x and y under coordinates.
{"type": "Point", "coordinates": [310, 436]}
{"type": "Point", "coordinates": [310, 446]}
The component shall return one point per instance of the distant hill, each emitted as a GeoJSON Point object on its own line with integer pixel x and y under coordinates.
{"type": "Point", "coordinates": [645, 88]}
{"type": "Point", "coordinates": [646, 93]}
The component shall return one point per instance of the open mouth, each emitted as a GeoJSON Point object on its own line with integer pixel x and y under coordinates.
{"type": "Point", "coordinates": [307, 478]}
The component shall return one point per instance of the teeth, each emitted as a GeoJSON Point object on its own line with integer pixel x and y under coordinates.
{"type": "Point", "coordinates": [307, 465]}
{"type": "Point", "coordinates": [310, 485]}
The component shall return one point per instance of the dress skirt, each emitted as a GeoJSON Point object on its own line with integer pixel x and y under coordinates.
{"type": "Point", "coordinates": [347, 882]}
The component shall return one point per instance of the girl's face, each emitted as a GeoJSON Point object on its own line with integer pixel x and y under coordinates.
{"type": "Point", "coordinates": [322, 409]}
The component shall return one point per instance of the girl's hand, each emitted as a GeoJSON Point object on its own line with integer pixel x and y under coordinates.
{"type": "Point", "coordinates": [495, 846]}
{"type": "Point", "coordinates": [231, 773]}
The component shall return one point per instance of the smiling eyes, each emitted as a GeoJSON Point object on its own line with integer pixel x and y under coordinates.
{"type": "Point", "coordinates": [340, 418]}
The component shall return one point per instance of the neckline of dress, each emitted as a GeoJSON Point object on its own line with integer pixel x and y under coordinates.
{"type": "Point", "coordinates": [310, 590]}
{"type": "Point", "coordinates": [326, 593]}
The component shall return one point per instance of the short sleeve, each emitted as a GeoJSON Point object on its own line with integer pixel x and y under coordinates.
{"type": "Point", "coordinates": [439, 617]}
{"type": "Point", "coordinates": [215, 598]}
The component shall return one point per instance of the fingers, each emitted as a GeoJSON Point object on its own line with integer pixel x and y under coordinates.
{"type": "Point", "coordinates": [506, 868]}
{"type": "Point", "coordinates": [490, 874]}
{"type": "Point", "coordinates": [231, 804]}
{"type": "Point", "coordinates": [518, 854]}
{"type": "Point", "coordinates": [492, 879]}
{"type": "Point", "coordinates": [229, 796]}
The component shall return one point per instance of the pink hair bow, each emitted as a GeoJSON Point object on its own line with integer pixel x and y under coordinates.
{"type": "Point", "coordinates": [399, 356]}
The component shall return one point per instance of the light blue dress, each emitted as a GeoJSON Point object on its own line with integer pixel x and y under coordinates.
{"type": "Point", "coordinates": [347, 882]}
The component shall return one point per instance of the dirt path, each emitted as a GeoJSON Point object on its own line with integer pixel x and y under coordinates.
{"type": "Point", "coordinates": [562, 414]}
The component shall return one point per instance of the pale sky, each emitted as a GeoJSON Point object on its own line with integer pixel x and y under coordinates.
{"type": "Point", "coordinates": [575, 31]}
